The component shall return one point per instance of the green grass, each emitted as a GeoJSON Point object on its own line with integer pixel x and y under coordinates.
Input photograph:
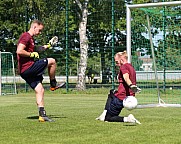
{"type": "Point", "coordinates": [75, 123]}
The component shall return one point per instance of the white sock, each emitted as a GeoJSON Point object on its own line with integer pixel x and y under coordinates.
{"type": "Point", "coordinates": [125, 119]}
{"type": "Point", "coordinates": [102, 116]}
{"type": "Point", "coordinates": [104, 112]}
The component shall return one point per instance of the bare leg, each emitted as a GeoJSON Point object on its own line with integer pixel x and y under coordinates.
{"type": "Point", "coordinates": [51, 68]}
{"type": "Point", "coordinates": [39, 91]}
{"type": "Point", "coordinates": [51, 71]}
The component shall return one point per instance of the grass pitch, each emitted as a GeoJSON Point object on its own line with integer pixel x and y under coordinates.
{"type": "Point", "coordinates": [75, 123]}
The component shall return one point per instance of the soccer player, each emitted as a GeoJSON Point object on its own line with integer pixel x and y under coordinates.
{"type": "Point", "coordinates": [31, 68]}
{"type": "Point", "coordinates": [127, 87]}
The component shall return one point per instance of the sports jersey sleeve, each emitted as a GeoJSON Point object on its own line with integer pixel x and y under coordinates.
{"type": "Point", "coordinates": [24, 39]}
{"type": "Point", "coordinates": [124, 69]}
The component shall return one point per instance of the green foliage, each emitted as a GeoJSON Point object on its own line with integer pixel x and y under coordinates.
{"type": "Point", "coordinates": [94, 63]}
{"type": "Point", "coordinates": [16, 17]}
{"type": "Point", "coordinates": [136, 62]}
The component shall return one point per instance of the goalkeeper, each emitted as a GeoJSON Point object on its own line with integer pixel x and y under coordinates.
{"type": "Point", "coordinates": [31, 68]}
{"type": "Point", "coordinates": [127, 87]}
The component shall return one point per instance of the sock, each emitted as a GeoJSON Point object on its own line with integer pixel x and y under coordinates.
{"type": "Point", "coordinates": [103, 115]}
{"type": "Point", "coordinates": [111, 118]}
{"type": "Point", "coordinates": [53, 83]}
{"type": "Point", "coordinates": [125, 119]}
{"type": "Point", "coordinates": [42, 111]}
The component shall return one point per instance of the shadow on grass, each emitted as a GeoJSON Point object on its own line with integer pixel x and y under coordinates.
{"type": "Point", "coordinates": [130, 124]}
{"type": "Point", "coordinates": [51, 116]}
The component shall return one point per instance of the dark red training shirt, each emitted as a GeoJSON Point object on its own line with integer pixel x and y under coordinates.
{"type": "Point", "coordinates": [123, 88]}
{"type": "Point", "coordinates": [25, 62]}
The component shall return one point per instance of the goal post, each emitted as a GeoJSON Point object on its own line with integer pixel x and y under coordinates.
{"type": "Point", "coordinates": [154, 36]}
{"type": "Point", "coordinates": [7, 74]}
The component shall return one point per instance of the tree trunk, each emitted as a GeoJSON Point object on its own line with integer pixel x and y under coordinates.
{"type": "Point", "coordinates": [83, 51]}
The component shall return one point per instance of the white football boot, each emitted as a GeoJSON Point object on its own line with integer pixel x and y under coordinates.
{"type": "Point", "coordinates": [132, 119]}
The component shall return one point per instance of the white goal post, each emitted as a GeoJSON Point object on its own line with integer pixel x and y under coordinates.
{"type": "Point", "coordinates": [7, 74]}
{"type": "Point", "coordinates": [129, 8]}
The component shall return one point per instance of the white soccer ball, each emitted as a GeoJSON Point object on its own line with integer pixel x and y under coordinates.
{"type": "Point", "coordinates": [130, 102]}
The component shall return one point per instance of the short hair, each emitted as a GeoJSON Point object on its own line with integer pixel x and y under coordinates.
{"type": "Point", "coordinates": [124, 53]}
{"type": "Point", "coordinates": [37, 22]}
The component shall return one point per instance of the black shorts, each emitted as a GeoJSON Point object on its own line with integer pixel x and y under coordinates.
{"type": "Point", "coordinates": [116, 105]}
{"type": "Point", "coordinates": [34, 75]}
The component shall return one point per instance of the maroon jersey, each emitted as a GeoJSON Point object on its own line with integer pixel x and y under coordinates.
{"type": "Point", "coordinates": [25, 62]}
{"type": "Point", "coordinates": [123, 88]}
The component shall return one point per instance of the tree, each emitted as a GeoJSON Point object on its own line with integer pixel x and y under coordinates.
{"type": "Point", "coordinates": [16, 16]}
{"type": "Point", "coordinates": [100, 28]}
{"type": "Point", "coordinates": [83, 7]}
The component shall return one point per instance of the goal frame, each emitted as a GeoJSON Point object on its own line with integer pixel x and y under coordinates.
{"type": "Point", "coordinates": [128, 19]}
{"type": "Point", "coordinates": [13, 74]}
{"type": "Point", "coordinates": [160, 103]}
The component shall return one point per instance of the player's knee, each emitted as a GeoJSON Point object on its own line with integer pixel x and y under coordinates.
{"type": "Point", "coordinates": [39, 89]}
{"type": "Point", "coordinates": [51, 61]}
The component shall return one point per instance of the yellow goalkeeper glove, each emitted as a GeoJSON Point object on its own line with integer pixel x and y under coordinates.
{"type": "Point", "coordinates": [49, 46]}
{"type": "Point", "coordinates": [34, 55]}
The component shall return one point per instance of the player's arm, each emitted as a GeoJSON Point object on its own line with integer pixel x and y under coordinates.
{"type": "Point", "coordinates": [21, 50]}
{"type": "Point", "coordinates": [133, 87]}
{"type": "Point", "coordinates": [44, 47]}
{"type": "Point", "coordinates": [49, 45]}
{"type": "Point", "coordinates": [126, 78]}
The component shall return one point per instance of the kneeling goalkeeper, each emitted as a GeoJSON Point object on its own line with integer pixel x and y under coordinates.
{"type": "Point", "coordinates": [127, 87]}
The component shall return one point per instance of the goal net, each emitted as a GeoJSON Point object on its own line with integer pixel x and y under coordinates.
{"type": "Point", "coordinates": [153, 46]}
{"type": "Point", "coordinates": [7, 74]}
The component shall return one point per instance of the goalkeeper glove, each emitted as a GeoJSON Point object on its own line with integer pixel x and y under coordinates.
{"type": "Point", "coordinates": [34, 55]}
{"type": "Point", "coordinates": [134, 88]}
{"type": "Point", "coordinates": [52, 42]}
{"type": "Point", "coordinates": [49, 46]}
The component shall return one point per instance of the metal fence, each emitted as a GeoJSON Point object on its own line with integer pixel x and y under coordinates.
{"type": "Point", "coordinates": [105, 33]}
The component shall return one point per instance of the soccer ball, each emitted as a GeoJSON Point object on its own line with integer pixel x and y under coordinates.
{"type": "Point", "coordinates": [130, 102]}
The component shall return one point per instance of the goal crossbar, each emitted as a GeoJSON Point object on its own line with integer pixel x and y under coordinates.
{"type": "Point", "coordinates": [154, 4]}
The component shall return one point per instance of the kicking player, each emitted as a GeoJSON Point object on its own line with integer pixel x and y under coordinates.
{"type": "Point", "coordinates": [31, 68]}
